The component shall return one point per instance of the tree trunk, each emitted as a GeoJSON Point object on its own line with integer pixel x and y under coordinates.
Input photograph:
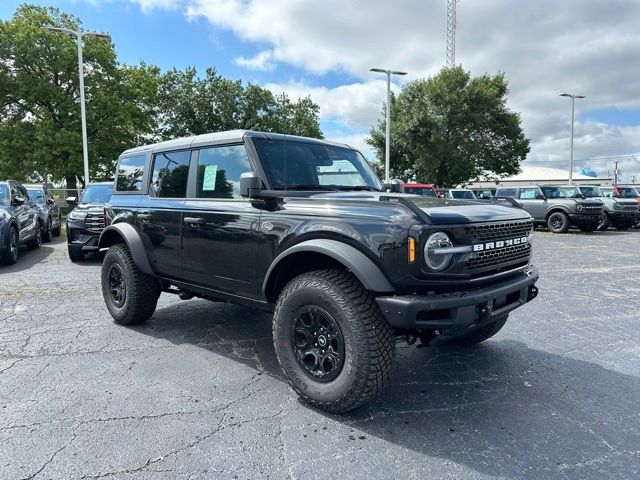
{"type": "Point", "coordinates": [72, 185]}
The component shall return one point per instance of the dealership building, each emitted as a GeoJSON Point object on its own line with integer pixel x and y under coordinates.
{"type": "Point", "coordinates": [537, 175]}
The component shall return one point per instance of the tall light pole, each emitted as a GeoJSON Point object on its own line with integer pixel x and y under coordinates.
{"type": "Point", "coordinates": [387, 147]}
{"type": "Point", "coordinates": [573, 108]}
{"type": "Point", "coordinates": [83, 117]}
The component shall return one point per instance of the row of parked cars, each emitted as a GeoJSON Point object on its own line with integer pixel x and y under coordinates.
{"type": "Point", "coordinates": [558, 207]}
{"type": "Point", "coordinates": [29, 217]}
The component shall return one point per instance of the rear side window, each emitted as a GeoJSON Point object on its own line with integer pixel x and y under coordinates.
{"type": "Point", "coordinates": [219, 170]}
{"type": "Point", "coordinates": [506, 192]}
{"type": "Point", "coordinates": [528, 193]}
{"type": "Point", "coordinates": [130, 171]}
{"type": "Point", "coordinates": [170, 173]}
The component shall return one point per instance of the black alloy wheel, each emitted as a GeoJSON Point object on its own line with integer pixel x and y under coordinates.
{"type": "Point", "coordinates": [558, 222]}
{"type": "Point", "coordinates": [317, 343]}
{"type": "Point", "coordinates": [11, 255]}
{"type": "Point", "coordinates": [117, 285]}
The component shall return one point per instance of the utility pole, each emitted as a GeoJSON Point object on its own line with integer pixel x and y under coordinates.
{"type": "Point", "coordinates": [387, 146]}
{"type": "Point", "coordinates": [451, 33]}
{"type": "Point", "coordinates": [573, 108]}
{"type": "Point", "coordinates": [83, 116]}
{"type": "Point", "coordinates": [616, 172]}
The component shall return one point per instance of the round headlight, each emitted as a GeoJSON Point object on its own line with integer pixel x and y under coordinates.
{"type": "Point", "coordinates": [437, 261]}
{"type": "Point", "coordinates": [579, 207]}
{"type": "Point", "coordinates": [618, 206]}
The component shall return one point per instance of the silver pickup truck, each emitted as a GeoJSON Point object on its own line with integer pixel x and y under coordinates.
{"type": "Point", "coordinates": [620, 213]}
{"type": "Point", "coordinates": [550, 205]}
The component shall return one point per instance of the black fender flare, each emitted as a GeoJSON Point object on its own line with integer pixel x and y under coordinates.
{"type": "Point", "coordinates": [133, 240]}
{"type": "Point", "coordinates": [369, 274]}
{"type": "Point", "coordinates": [557, 208]}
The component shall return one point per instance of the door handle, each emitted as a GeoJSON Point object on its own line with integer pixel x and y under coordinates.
{"type": "Point", "coordinates": [193, 220]}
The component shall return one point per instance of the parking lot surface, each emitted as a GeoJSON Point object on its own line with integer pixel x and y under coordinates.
{"type": "Point", "coordinates": [197, 392]}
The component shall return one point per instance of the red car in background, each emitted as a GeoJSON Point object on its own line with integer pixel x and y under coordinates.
{"type": "Point", "coordinates": [424, 189]}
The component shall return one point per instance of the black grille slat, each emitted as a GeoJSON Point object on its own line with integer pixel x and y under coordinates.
{"type": "Point", "coordinates": [498, 231]}
{"type": "Point", "coordinates": [499, 257]}
{"type": "Point", "coordinates": [94, 221]}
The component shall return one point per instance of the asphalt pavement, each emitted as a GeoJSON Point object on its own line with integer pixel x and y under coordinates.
{"type": "Point", "coordinates": [197, 392]}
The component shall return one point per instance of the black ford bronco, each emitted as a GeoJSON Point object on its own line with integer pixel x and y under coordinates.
{"type": "Point", "coordinates": [305, 229]}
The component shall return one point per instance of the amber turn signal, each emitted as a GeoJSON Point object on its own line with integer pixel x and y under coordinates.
{"type": "Point", "coordinates": [412, 249]}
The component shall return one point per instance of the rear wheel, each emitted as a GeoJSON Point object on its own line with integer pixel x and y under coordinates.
{"type": "Point", "coordinates": [36, 242]}
{"type": "Point", "coordinates": [332, 341]}
{"type": "Point", "coordinates": [11, 255]}
{"type": "Point", "coordinates": [130, 295]}
{"type": "Point", "coordinates": [480, 334]}
{"type": "Point", "coordinates": [558, 222]}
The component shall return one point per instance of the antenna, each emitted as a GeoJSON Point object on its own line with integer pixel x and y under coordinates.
{"type": "Point", "coordinates": [451, 33]}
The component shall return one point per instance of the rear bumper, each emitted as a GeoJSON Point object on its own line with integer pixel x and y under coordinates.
{"type": "Point", "coordinates": [454, 314]}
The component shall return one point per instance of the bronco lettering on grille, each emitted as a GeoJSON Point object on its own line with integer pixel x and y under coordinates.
{"type": "Point", "coordinates": [482, 247]}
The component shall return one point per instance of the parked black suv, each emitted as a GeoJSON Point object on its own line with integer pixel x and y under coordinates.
{"type": "Point", "coordinates": [86, 221]}
{"type": "Point", "coordinates": [50, 215]}
{"type": "Point", "coordinates": [19, 222]}
{"type": "Point", "coordinates": [304, 228]}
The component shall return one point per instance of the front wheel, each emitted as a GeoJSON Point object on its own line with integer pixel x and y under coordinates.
{"type": "Point", "coordinates": [130, 295]}
{"type": "Point", "coordinates": [558, 222]}
{"type": "Point", "coordinates": [622, 226]}
{"type": "Point", "coordinates": [332, 341]}
{"type": "Point", "coordinates": [480, 334]}
{"type": "Point", "coordinates": [11, 255]}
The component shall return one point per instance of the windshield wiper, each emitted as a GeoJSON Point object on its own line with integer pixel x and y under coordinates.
{"type": "Point", "coordinates": [359, 187]}
{"type": "Point", "coordinates": [304, 186]}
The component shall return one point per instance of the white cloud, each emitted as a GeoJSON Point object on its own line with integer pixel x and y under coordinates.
{"type": "Point", "coordinates": [261, 61]}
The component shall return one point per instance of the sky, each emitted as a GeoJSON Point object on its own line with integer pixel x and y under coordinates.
{"type": "Point", "coordinates": [325, 49]}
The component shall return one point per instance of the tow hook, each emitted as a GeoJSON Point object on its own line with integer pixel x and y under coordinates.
{"type": "Point", "coordinates": [532, 293]}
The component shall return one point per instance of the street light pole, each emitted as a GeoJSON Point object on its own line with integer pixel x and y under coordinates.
{"type": "Point", "coordinates": [387, 146]}
{"type": "Point", "coordinates": [573, 107]}
{"type": "Point", "coordinates": [83, 116]}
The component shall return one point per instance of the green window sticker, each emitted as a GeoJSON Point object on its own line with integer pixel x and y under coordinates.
{"type": "Point", "coordinates": [209, 180]}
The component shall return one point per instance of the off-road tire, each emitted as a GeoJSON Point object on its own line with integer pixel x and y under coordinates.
{"type": "Point", "coordinates": [141, 290]}
{"type": "Point", "coordinates": [480, 334]}
{"type": "Point", "coordinates": [36, 242]}
{"type": "Point", "coordinates": [588, 228]}
{"type": "Point", "coordinates": [369, 340]}
{"type": "Point", "coordinates": [46, 233]}
{"type": "Point", "coordinates": [603, 226]}
{"type": "Point", "coordinates": [10, 257]}
{"type": "Point", "coordinates": [75, 255]}
{"type": "Point", "coordinates": [558, 222]}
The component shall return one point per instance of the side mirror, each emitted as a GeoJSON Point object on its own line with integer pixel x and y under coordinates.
{"type": "Point", "coordinates": [72, 201]}
{"type": "Point", "coordinates": [18, 200]}
{"type": "Point", "coordinates": [395, 186]}
{"type": "Point", "coordinates": [540, 196]}
{"type": "Point", "coordinates": [250, 185]}
{"type": "Point", "coordinates": [578, 195]}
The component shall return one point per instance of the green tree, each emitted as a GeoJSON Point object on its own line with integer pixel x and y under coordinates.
{"type": "Point", "coordinates": [192, 105]}
{"type": "Point", "coordinates": [452, 128]}
{"type": "Point", "coordinates": [39, 100]}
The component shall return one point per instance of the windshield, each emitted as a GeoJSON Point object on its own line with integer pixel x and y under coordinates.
{"type": "Point", "coordinates": [36, 195]}
{"type": "Point", "coordinates": [96, 194]}
{"type": "Point", "coordinates": [463, 194]}
{"type": "Point", "coordinates": [424, 191]}
{"type": "Point", "coordinates": [554, 192]}
{"type": "Point", "coordinates": [4, 195]}
{"type": "Point", "coordinates": [607, 192]}
{"type": "Point", "coordinates": [628, 192]}
{"type": "Point", "coordinates": [308, 166]}
{"type": "Point", "coordinates": [590, 192]}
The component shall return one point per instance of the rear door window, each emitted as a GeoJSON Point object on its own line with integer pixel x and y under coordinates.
{"type": "Point", "coordinates": [528, 193]}
{"type": "Point", "coordinates": [130, 173]}
{"type": "Point", "coordinates": [170, 173]}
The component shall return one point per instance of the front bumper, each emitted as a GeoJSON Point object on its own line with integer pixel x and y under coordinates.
{"type": "Point", "coordinates": [455, 313]}
{"type": "Point", "coordinates": [623, 217]}
{"type": "Point", "coordinates": [580, 219]}
{"type": "Point", "coordinates": [81, 239]}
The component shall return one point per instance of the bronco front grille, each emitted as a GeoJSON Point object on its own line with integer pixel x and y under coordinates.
{"type": "Point", "coordinates": [498, 231]}
{"type": "Point", "coordinates": [95, 221]}
{"type": "Point", "coordinates": [494, 259]}
{"type": "Point", "coordinates": [591, 207]}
